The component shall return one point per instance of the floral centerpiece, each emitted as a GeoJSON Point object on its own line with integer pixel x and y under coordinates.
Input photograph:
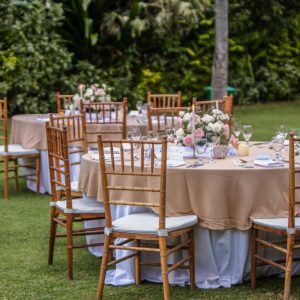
{"type": "Point", "coordinates": [204, 125]}
{"type": "Point", "coordinates": [92, 93]}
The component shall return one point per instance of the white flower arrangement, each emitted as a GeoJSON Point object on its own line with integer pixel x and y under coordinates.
{"type": "Point", "coordinates": [205, 125]}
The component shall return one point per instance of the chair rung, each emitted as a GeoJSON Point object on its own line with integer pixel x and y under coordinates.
{"type": "Point", "coordinates": [179, 263]}
{"type": "Point", "coordinates": [121, 259]}
{"type": "Point", "coordinates": [134, 248]}
{"type": "Point", "coordinates": [270, 262]}
{"type": "Point", "coordinates": [136, 189]}
{"type": "Point", "coordinates": [118, 202]}
{"type": "Point", "coordinates": [132, 173]}
{"type": "Point", "coordinates": [87, 245]}
{"type": "Point", "coordinates": [271, 245]}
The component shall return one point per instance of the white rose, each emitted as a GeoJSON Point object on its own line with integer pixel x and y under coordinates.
{"type": "Point", "coordinates": [88, 93]}
{"type": "Point", "coordinates": [207, 119]}
{"type": "Point", "coordinates": [187, 117]}
{"type": "Point", "coordinates": [179, 133]}
{"type": "Point", "coordinates": [181, 114]}
{"type": "Point", "coordinates": [76, 97]}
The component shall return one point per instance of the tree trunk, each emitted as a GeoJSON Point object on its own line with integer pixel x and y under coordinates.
{"type": "Point", "coordinates": [220, 62]}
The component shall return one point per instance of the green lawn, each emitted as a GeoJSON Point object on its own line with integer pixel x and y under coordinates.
{"type": "Point", "coordinates": [24, 226]}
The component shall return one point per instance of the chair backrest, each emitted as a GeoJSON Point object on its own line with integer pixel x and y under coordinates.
{"type": "Point", "coordinates": [76, 130]}
{"type": "Point", "coordinates": [4, 123]}
{"type": "Point", "coordinates": [59, 167]}
{"type": "Point", "coordinates": [106, 113]}
{"type": "Point", "coordinates": [63, 101]}
{"type": "Point", "coordinates": [163, 117]}
{"type": "Point", "coordinates": [225, 104]}
{"type": "Point", "coordinates": [164, 100]}
{"type": "Point", "coordinates": [292, 180]}
{"type": "Point", "coordinates": [127, 164]}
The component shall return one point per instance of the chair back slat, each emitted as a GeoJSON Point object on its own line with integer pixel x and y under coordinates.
{"type": "Point", "coordinates": [105, 113]}
{"type": "Point", "coordinates": [129, 163]}
{"type": "Point", "coordinates": [164, 100]}
{"type": "Point", "coordinates": [165, 117]}
{"type": "Point", "coordinates": [292, 179]}
{"type": "Point", "coordinates": [59, 167]}
{"type": "Point", "coordinates": [63, 101]}
{"type": "Point", "coordinates": [4, 123]}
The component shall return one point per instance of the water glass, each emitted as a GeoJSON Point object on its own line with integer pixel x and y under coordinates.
{"type": "Point", "coordinates": [201, 145]}
{"type": "Point", "coordinates": [139, 105]}
{"type": "Point", "coordinates": [237, 128]}
{"type": "Point", "coordinates": [247, 133]}
{"type": "Point", "coordinates": [283, 130]}
{"type": "Point", "coordinates": [211, 141]}
{"type": "Point", "coordinates": [277, 145]}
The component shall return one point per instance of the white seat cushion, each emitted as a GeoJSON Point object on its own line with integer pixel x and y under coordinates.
{"type": "Point", "coordinates": [82, 206]}
{"type": "Point", "coordinates": [278, 223]}
{"type": "Point", "coordinates": [147, 223]}
{"type": "Point", "coordinates": [17, 150]}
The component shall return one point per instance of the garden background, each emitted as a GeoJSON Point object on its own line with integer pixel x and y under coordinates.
{"type": "Point", "coordinates": [134, 46]}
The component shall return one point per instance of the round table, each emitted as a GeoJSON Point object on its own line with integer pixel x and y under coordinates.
{"type": "Point", "coordinates": [225, 197]}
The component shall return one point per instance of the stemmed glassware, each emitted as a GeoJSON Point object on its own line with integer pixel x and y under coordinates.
{"type": "Point", "coordinates": [247, 131]}
{"type": "Point", "coordinates": [139, 105]}
{"type": "Point", "coordinates": [277, 145]}
{"type": "Point", "coordinates": [134, 134]}
{"type": "Point", "coordinates": [201, 145]}
{"type": "Point", "coordinates": [237, 128]}
{"type": "Point", "coordinates": [283, 130]}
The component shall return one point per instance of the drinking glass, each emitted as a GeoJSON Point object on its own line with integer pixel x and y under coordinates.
{"type": "Point", "coordinates": [139, 106]}
{"type": "Point", "coordinates": [283, 130]}
{"type": "Point", "coordinates": [247, 133]}
{"type": "Point", "coordinates": [237, 128]}
{"type": "Point", "coordinates": [201, 145]}
{"type": "Point", "coordinates": [277, 145]}
{"type": "Point", "coordinates": [211, 142]}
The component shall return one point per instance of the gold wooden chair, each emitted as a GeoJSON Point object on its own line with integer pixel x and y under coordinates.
{"type": "Point", "coordinates": [164, 100]}
{"type": "Point", "coordinates": [106, 118]}
{"type": "Point", "coordinates": [77, 141]}
{"type": "Point", "coordinates": [287, 228]}
{"type": "Point", "coordinates": [139, 228]}
{"type": "Point", "coordinates": [11, 153]}
{"type": "Point", "coordinates": [163, 117]}
{"type": "Point", "coordinates": [224, 105]}
{"type": "Point", "coordinates": [62, 101]}
{"type": "Point", "coordinates": [66, 212]}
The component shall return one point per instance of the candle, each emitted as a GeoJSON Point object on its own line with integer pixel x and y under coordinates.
{"type": "Point", "coordinates": [243, 149]}
{"type": "Point", "coordinates": [193, 123]}
{"type": "Point", "coordinates": [217, 104]}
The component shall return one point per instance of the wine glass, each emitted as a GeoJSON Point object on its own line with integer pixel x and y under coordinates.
{"type": "Point", "coordinates": [139, 105]}
{"type": "Point", "coordinates": [283, 130]}
{"type": "Point", "coordinates": [211, 141]}
{"type": "Point", "coordinates": [247, 133]}
{"type": "Point", "coordinates": [277, 145]}
{"type": "Point", "coordinates": [237, 128]}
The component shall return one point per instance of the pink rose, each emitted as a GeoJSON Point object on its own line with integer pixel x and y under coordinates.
{"type": "Point", "coordinates": [233, 141]}
{"type": "Point", "coordinates": [226, 131]}
{"type": "Point", "coordinates": [199, 133]}
{"type": "Point", "coordinates": [187, 140]}
{"type": "Point", "coordinates": [178, 122]}
{"type": "Point", "coordinates": [100, 92]}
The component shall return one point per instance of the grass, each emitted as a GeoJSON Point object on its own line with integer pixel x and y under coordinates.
{"type": "Point", "coordinates": [24, 226]}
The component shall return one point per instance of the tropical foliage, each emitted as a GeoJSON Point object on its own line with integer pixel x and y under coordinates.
{"type": "Point", "coordinates": [136, 46]}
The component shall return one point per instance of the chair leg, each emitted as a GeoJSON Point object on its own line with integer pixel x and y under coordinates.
{"type": "Point", "coordinates": [52, 234]}
{"type": "Point", "coordinates": [164, 266]}
{"type": "Point", "coordinates": [6, 184]}
{"type": "Point", "coordinates": [16, 175]}
{"type": "Point", "coordinates": [137, 261]}
{"type": "Point", "coordinates": [37, 171]}
{"type": "Point", "coordinates": [253, 258]}
{"type": "Point", "coordinates": [192, 259]}
{"type": "Point", "coordinates": [289, 267]}
{"type": "Point", "coordinates": [70, 245]}
{"type": "Point", "coordinates": [104, 262]}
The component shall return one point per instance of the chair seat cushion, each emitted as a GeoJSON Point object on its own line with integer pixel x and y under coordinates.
{"type": "Point", "coordinates": [17, 150]}
{"type": "Point", "coordinates": [278, 223]}
{"type": "Point", "coordinates": [148, 223]}
{"type": "Point", "coordinates": [82, 206]}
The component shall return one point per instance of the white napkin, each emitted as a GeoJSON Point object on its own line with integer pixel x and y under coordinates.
{"type": "Point", "coordinates": [43, 119]}
{"type": "Point", "coordinates": [134, 113]}
{"type": "Point", "coordinates": [175, 163]}
{"type": "Point", "coordinates": [268, 163]}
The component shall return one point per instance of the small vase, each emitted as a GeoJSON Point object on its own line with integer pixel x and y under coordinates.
{"type": "Point", "coordinates": [220, 151]}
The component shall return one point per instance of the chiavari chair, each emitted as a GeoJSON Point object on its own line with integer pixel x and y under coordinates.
{"type": "Point", "coordinates": [138, 228]}
{"type": "Point", "coordinates": [287, 229]}
{"type": "Point", "coordinates": [62, 102]}
{"type": "Point", "coordinates": [76, 135]}
{"type": "Point", "coordinates": [10, 155]}
{"type": "Point", "coordinates": [67, 212]}
{"type": "Point", "coordinates": [164, 100]}
{"type": "Point", "coordinates": [106, 118]}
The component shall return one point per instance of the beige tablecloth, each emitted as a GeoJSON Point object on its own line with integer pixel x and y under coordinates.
{"type": "Point", "coordinates": [222, 195]}
{"type": "Point", "coordinates": [29, 130]}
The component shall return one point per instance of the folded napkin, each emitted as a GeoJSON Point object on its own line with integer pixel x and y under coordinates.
{"type": "Point", "coordinates": [134, 113]}
{"type": "Point", "coordinates": [175, 163]}
{"type": "Point", "coordinates": [268, 163]}
{"type": "Point", "coordinates": [43, 119]}
{"type": "Point", "coordinates": [263, 157]}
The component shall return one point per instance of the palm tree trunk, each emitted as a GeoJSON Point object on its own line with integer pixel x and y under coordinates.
{"type": "Point", "coordinates": [220, 62]}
